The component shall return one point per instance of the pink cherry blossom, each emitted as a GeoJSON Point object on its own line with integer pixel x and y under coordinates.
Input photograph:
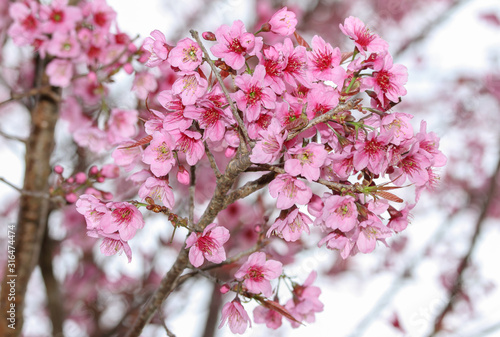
{"type": "Point", "coordinates": [254, 94]}
{"type": "Point", "coordinates": [296, 62]}
{"type": "Point", "coordinates": [112, 244]}
{"type": "Point", "coordinates": [60, 72]}
{"type": "Point", "coordinates": [236, 317]}
{"type": "Point", "coordinates": [126, 155]}
{"type": "Point", "coordinates": [158, 47]}
{"type": "Point", "coordinates": [124, 218]}
{"type": "Point", "coordinates": [291, 227]}
{"type": "Point", "coordinates": [92, 209]}
{"type": "Point", "coordinates": [306, 161]}
{"type": "Point", "coordinates": [428, 146]}
{"type": "Point", "coordinates": [212, 118]}
{"type": "Point", "coordinates": [305, 301]}
{"type": "Point", "coordinates": [122, 124]}
{"type": "Point", "coordinates": [371, 153]}
{"type": "Point", "coordinates": [364, 40]}
{"type": "Point", "coordinates": [101, 14]}
{"type": "Point", "coordinates": [144, 83]}
{"type": "Point", "coordinates": [186, 55]}
{"type": "Point", "coordinates": [398, 124]}
{"type": "Point", "coordinates": [183, 176]}
{"type": "Point", "coordinates": [289, 191]}
{"type": "Point", "coordinates": [272, 318]}
{"type": "Point", "coordinates": [338, 240]}
{"type": "Point", "coordinates": [370, 232]}
{"type": "Point", "coordinates": [190, 143]}
{"type": "Point", "coordinates": [324, 62]}
{"type": "Point", "coordinates": [58, 16]}
{"type": "Point", "coordinates": [26, 27]}
{"type": "Point", "coordinates": [283, 22]}
{"type": "Point", "coordinates": [268, 149]}
{"type": "Point", "coordinates": [387, 81]}
{"type": "Point", "coordinates": [158, 189]}
{"type": "Point", "coordinates": [159, 153]}
{"type": "Point", "coordinates": [234, 43]}
{"type": "Point", "coordinates": [413, 166]}
{"type": "Point", "coordinates": [190, 88]}
{"type": "Point", "coordinates": [64, 45]}
{"type": "Point", "coordinates": [207, 245]}
{"type": "Point", "coordinates": [339, 212]}
{"type": "Point", "coordinates": [275, 64]}
{"type": "Point", "coordinates": [256, 273]}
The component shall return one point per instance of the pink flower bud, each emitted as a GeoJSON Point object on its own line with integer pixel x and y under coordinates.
{"type": "Point", "coordinates": [93, 170]}
{"type": "Point", "coordinates": [70, 180]}
{"type": "Point", "coordinates": [58, 169]}
{"type": "Point", "coordinates": [183, 176]}
{"type": "Point", "coordinates": [225, 288]}
{"type": "Point", "coordinates": [71, 197]}
{"type": "Point", "coordinates": [128, 68]}
{"type": "Point", "coordinates": [107, 195]}
{"type": "Point", "coordinates": [209, 36]}
{"type": "Point", "coordinates": [80, 177]}
{"type": "Point", "coordinates": [100, 179]}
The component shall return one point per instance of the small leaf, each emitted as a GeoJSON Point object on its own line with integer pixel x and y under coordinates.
{"type": "Point", "coordinates": [140, 142]}
{"type": "Point", "coordinates": [389, 196]}
{"type": "Point", "coordinates": [301, 41]}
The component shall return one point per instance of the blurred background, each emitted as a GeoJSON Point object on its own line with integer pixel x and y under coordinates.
{"type": "Point", "coordinates": [439, 277]}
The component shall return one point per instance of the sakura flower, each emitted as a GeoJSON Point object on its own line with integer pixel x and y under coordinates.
{"type": "Point", "coordinates": [271, 317]}
{"type": "Point", "coordinates": [413, 166]}
{"type": "Point", "coordinates": [399, 219]}
{"type": "Point", "coordinates": [26, 27]}
{"type": "Point", "coordinates": [187, 55]}
{"type": "Point", "coordinates": [236, 317]}
{"type": "Point", "coordinates": [124, 218]}
{"type": "Point", "coordinates": [364, 40]}
{"type": "Point", "coordinates": [211, 118]}
{"type": "Point", "coordinates": [190, 88]}
{"type": "Point", "coordinates": [296, 62]}
{"type": "Point", "coordinates": [398, 124]}
{"type": "Point", "coordinates": [64, 45]}
{"type": "Point", "coordinates": [58, 16]}
{"type": "Point", "coordinates": [275, 63]}
{"type": "Point", "coordinates": [428, 146]}
{"type": "Point", "coordinates": [207, 245]}
{"type": "Point", "coordinates": [189, 142]}
{"type": "Point", "coordinates": [112, 244]}
{"type": "Point", "coordinates": [126, 155]}
{"type": "Point", "coordinates": [92, 209]}
{"type": "Point", "coordinates": [305, 301]}
{"type": "Point", "coordinates": [253, 93]}
{"type": "Point", "coordinates": [388, 81]}
{"type": "Point", "coordinates": [60, 72]}
{"type": "Point", "coordinates": [371, 153]}
{"type": "Point", "coordinates": [283, 22]}
{"type": "Point", "coordinates": [289, 191]}
{"type": "Point", "coordinates": [306, 161]}
{"type": "Point", "coordinates": [370, 232]}
{"type": "Point", "coordinates": [339, 212]}
{"type": "Point", "coordinates": [291, 227]}
{"type": "Point", "coordinates": [158, 189]}
{"type": "Point", "coordinates": [159, 153]}
{"type": "Point", "coordinates": [122, 124]}
{"type": "Point", "coordinates": [157, 46]}
{"type": "Point", "coordinates": [337, 240]}
{"type": "Point", "coordinates": [324, 62]}
{"type": "Point", "coordinates": [269, 147]}
{"type": "Point", "coordinates": [234, 42]}
{"type": "Point", "coordinates": [257, 273]}
{"type": "Point", "coordinates": [101, 14]}
{"type": "Point", "coordinates": [144, 83]}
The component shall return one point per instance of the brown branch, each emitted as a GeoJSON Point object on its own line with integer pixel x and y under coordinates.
{"type": "Point", "coordinates": [33, 210]}
{"type": "Point", "coordinates": [249, 188]}
{"type": "Point", "coordinates": [241, 125]}
{"type": "Point", "coordinates": [52, 286]}
{"type": "Point", "coordinates": [458, 284]}
{"type": "Point", "coordinates": [234, 168]}
{"type": "Point", "coordinates": [212, 161]}
{"type": "Point", "coordinates": [350, 104]}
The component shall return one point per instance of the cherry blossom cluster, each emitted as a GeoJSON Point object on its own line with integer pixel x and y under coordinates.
{"type": "Point", "coordinates": [84, 50]}
{"type": "Point", "coordinates": [295, 111]}
{"type": "Point", "coordinates": [81, 183]}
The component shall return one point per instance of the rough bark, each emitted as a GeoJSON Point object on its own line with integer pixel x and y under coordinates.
{"type": "Point", "coordinates": [34, 208]}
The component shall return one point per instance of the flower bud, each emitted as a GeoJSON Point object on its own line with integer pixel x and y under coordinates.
{"type": "Point", "coordinates": [225, 288]}
{"type": "Point", "coordinates": [209, 36]}
{"type": "Point", "coordinates": [58, 169]}
{"type": "Point", "coordinates": [80, 177]}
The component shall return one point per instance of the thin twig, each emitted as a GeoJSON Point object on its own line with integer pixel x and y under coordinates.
{"type": "Point", "coordinates": [35, 194]}
{"type": "Point", "coordinates": [457, 286]}
{"type": "Point", "coordinates": [350, 104]}
{"type": "Point", "coordinates": [249, 188]}
{"type": "Point", "coordinates": [207, 58]}
{"type": "Point", "coordinates": [212, 161]}
{"type": "Point", "coordinates": [192, 189]}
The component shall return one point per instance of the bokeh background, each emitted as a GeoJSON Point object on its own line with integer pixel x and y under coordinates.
{"type": "Point", "coordinates": [440, 277]}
